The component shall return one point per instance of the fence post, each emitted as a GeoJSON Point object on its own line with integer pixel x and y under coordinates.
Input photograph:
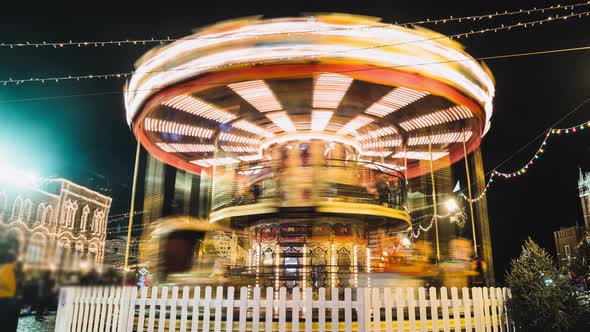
{"type": "Point", "coordinates": [433, 309]}
{"type": "Point", "coordinates": [295, 312]}
{"type": "Point", "coordinates": [411, 309]}
{"type": "Point", "coordinates": [62, 308]}
{"type": "Point", "coordinates": [467, 302]}
{"type": "Point", "coordinates": [229, 321]}
{"type": "Point", "coordinates": [423, 304]}
{"type": "Point", "coordinates": [363, 309]}
{"type": "Point", "coordinates": [478, 309]}
{"type": "Point", "coordinates": [444, 303]}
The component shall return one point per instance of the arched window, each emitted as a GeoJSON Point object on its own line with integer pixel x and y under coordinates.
{"type": "Point", "coordinates": [84, 218]}
{"type": "Point", "coordinates": [92, 253]}
{"type": "Point", "coordinates": [97, 221]}
{"type": "Point", "coordinates": [65, 214]}
{"type": "Point", "coordinates": [62, 254]}
{"type": "Point", "coordinates": [36, 249]}
{"type": "Point", "coordinates": [3, 201]}
{"type": "Point", "coordinates": [47, 215]}
{"type": "Point", "coordinates": [78, 254]}
{"type": "Point", "coordinates": [69, 213]}
{"type": "Point", "coordinates": [17, 208]}
{"type": "Point", "coordinates": [74, 210]}
{"type": "Point", "coordinates": [27, 209]}
{"type": "Point", "coordinates": [40, 213]}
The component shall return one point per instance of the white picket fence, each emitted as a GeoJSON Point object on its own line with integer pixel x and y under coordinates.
{"type": "Point", "coordinates": [255, 309]}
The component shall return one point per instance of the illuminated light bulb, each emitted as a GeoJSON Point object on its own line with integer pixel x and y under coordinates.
{"type": "Point", "coordinates": [559, 131]}
{"type": "Point", "coordinates": [567, 131]}
{"type": "Point", "coordinates": [451, 205]}
{"type": "Point", "coordinates": [574, 130]}
{"type": "Point", "coordinates": [553, 131]}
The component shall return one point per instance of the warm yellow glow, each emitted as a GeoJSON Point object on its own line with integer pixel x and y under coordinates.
{"type": "Point", "coordinates": [258, 41]}
{"type": "Point", "coordinates": [282, 120]}
{"type": "Point", "coordinates": [258, 94]}
{"type": "Point", "coordinates": [329, 89]}
{"type": "Point", "coordinates": [307, 136]}
{"type": "Point", "coordinates": [320, 119]}
{"type": "Point", "coordinates": [451, 205]}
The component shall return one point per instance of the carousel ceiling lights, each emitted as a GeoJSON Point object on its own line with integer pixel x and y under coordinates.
{"type": "Point", "coordinates": [184, 147]}
{"type": "Point", "coordinates": [385, 131]}
{"type": "Point", "coordinates": [394, 100]}
{"type": "Point", "coordinates": [282, 120]}
{"type": "Point", "coordinates": [451, 114]}
{"type": "Point", "coordinates": [214, 162]}
{"type": "Point", "coordinates": [258, 94]}
{"type": "Point", "coordinates": [227, 137]}
{"type": "Point", "coordinates": [446, 138]}
{"type": "Point", "coordinates": [178, 128]}
{"type": "Point", "coordinates": [200, 108]}
{"type": "Point", "coordinates": [354, 124]}
{"type": "Point", "coordinates": [420, 155]}
{"type": "Point", "coordinates": [320, 119]}
{"type": "Point", "coordinates": [329, 90]}
{"type": "Point", "coordinates": [252, 128]}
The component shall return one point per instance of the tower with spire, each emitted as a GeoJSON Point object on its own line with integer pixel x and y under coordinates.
{"type": "Point", "coordinates": [584, 190]}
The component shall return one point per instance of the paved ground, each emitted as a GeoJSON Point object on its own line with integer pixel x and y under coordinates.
{"type": "Point", "coordinates": [29, 324]}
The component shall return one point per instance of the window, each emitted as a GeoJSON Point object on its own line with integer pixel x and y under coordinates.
{"type": "Point", "coordinates": [84, 219]}
{"type": "Point", "coordinates": [47, 215]}
{"type": "Point", "coordinates": [567, 250]}
{"type": "Point", "coordinates": [17, 208]}
{"type": "Point", "coordinates": [27, 209]}
{"type": "Point", "coordinates": [40, 215]}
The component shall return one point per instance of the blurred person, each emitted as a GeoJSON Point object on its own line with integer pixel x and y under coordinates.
{"type": "Point", "coordinates": [383, 190]}
{"type": "Point", "coordinates": [45, 286]}
{"type": "Point", "coordinates": [256, 191]}
{"type": "Point", "coordinates": [8, 301]}
{"type": "Point", "coordinates": [457, 269]}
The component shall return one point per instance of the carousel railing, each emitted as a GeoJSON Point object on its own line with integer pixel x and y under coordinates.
{"type": "Point", "coordinates": [332, 179]}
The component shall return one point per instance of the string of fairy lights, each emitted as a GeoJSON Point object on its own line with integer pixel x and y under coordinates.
{"type": "Point", "coordinates": [153, 40]}
{"type": "Point", "coordinates": [119, 75]}
{"type": "Point", "coordinates": [552, 132]}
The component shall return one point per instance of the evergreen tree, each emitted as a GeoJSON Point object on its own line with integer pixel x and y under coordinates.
{"type": "Point", "coordinates": [579, 267]}
{"type": "Point", "coordinates": [542, 299]}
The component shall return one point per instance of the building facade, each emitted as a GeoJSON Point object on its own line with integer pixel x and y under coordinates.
{"type": "Point", "coordinates": [59, 225]}
{"type": "Point", "coordinates": [567, 239]}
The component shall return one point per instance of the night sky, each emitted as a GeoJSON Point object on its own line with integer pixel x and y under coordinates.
{"type": "Point", "coordinates": [77, 129]}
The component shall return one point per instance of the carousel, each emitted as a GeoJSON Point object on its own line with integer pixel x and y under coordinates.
{"type": "Point", "coordinates": [311, 131]}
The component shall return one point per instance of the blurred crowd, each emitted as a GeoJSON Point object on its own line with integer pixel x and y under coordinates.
{"type": "Point", "coordinates": [35, 292]}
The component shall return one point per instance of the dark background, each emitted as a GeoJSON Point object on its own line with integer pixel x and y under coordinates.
{"type": "Point", "coordinates": [77, 129]}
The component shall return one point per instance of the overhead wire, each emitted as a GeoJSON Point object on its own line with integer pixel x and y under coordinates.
{"type": "Point", "coordinates": [152, 40]}
{"type": "Point", "coordinates": [457, 35]}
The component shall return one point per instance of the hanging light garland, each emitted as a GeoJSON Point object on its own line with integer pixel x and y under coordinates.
{"type": "Point", "coordinates": [523, 170]}
{"type": "Point", "coordinates": [146, 41]}
{"type": "Point", "coordinates": [119, 75]}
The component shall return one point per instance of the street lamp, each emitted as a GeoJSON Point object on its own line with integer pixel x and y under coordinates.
{"type": "Point", "coordinates": [451, 205]}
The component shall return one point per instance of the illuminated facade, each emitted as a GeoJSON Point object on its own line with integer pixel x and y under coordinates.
{"type": "Point", "coordinates": [58, 224]}
{"type": "Point", "coordinates": [313, 139]}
